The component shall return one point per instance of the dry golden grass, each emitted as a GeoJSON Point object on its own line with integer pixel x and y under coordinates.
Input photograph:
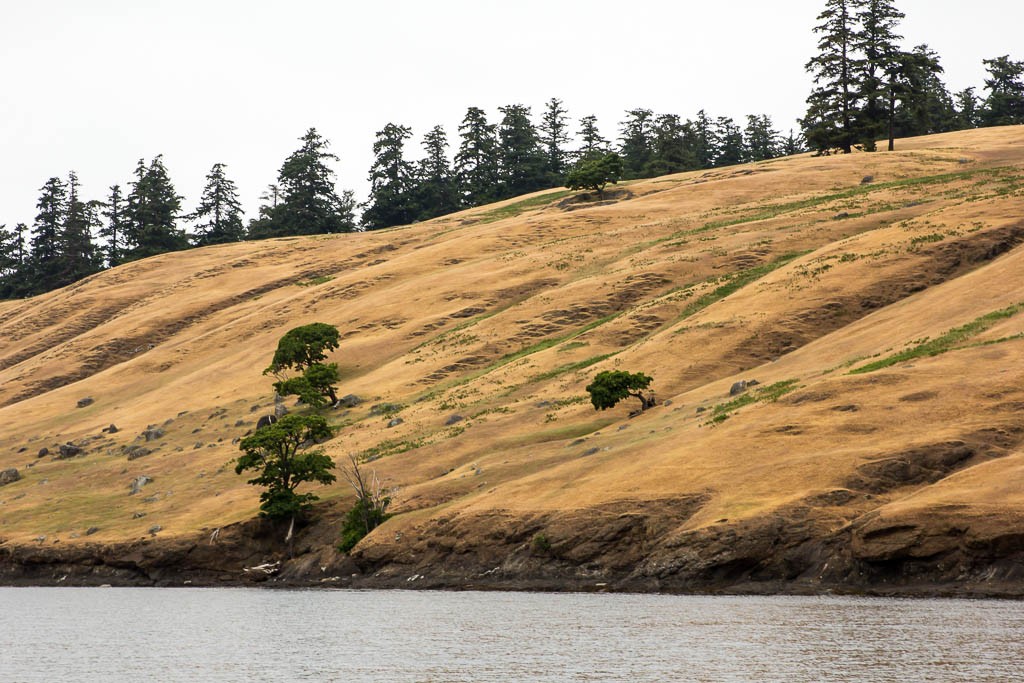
{"type": "Point", "coordinates": [789, 270]}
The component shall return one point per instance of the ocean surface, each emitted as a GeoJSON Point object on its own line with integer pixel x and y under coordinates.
{"type": "Point", "coordinates": [184, 634]}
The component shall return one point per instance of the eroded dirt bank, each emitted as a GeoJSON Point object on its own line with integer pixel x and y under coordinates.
{"type": "Point", "coordinates": [606, 550]}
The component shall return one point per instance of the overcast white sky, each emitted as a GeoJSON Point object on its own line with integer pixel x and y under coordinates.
{"type": "Point", "coordinates": [93, 85]}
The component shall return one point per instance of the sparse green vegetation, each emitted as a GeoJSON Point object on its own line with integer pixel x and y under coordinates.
{"type": "Point", "coordinates": [773, 392]}
{"type": "Point", "coordinates": [517, 208]}
{"type": "Point", "coordinates": [951, 340]}
{"type": "Point", "coordinates": [570, 367]}
{"type": "Point", "coordinates": [315, 281]}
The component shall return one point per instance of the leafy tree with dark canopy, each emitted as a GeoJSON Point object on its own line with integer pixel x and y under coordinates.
{"type": "Point", "coordinates": [611, 386]}
{"type": "Point", "coordinates": [595, 173]}
{"type": "Point", "coordinates": [219, 211]}
{"type": "Point", "coordinates": [278, 454]}
{"type": "Point", "coordinates": [303, 349]}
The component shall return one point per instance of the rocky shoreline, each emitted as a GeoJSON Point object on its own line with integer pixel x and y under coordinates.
{"type": "Point", "coordinates": [775, 557]}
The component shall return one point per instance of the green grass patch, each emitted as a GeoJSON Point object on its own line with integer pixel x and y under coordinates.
{"type": "Point", "coordinates": [517, 208]}
{"type": "Point", "coordinates": [570, 367]}
{"type": "Point", "coordinates": [315, 281]}
{"type": "Point", "coordinates": [769, 394]}
{"type": "Point", "coordinates": [573, 431]}
{"type": "Point", "coordinates": [737, 281]}
{"type": "Point", "coordinates": [389, 447]}
{"type": "Point", "coordinates": [951, 340]}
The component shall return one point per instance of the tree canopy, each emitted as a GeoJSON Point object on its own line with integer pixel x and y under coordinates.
{"type": "Point", "coordinates": [611, 386]}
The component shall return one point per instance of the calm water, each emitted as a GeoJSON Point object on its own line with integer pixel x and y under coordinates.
{"type": "Point", "coordinates": [151, 634]}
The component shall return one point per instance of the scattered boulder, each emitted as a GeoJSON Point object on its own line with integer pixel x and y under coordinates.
{"type": "Point", "coordinates": [9, 476]}
{"type": "Point", "coordinates": [69, 450]}
{"type": "Point", "coordinates": [738, 387]}
{"type": "Point", "coordinates": [752, 383]}
{"type": "Point", "coordinates": [136, 451]}
{"type": "Point", "coordinates": [112, 429]}
{"type": "Point", "coordinates": [348, 401]}
{"type": "Point", "coordinates": [87, 401]}
{"type": "Point", "coordinates": [43, 452]}
{"type": "Point", "coordinates": [138, 515]}
{"type": "Point", "coordinates": [266, 421]}
{"type": "Point", "coordinates": [91, 530]}
{"type": "Point", "coordinates": [156, 528]}
{"type": "Point", "coordinates": [280, 410]}
{"type": "Point", "coordinates": [153, 433]}
{"type": "Point", "coordinates": [199, 444]}
{"type": "Point", "coordinates": [239, 423]}
{"type": "Point", "coordinates": [700, 409]}
{"type": "Point", "coordinates": [867, 180]}
{"type": "Point", "coordinates": [395, 422]}
{"type": "Point", "coordinates": [138, 483]}
{"type": "Point", "coordinates": [454, 419]}
{"type": "Point", "coordinates": [667, 402]}
{"type": "Point", "coordinates": [590, 451]}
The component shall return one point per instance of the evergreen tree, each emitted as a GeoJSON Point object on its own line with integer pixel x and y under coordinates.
{"type": "Point", "coordinates": [925, 105]}
{"type": "Point", "coordinates": [832, 104]}
{"type": "Point", "coordinates": [476, 162]}
{"type": "Point", "coordinates": [522, 162]}
{"type": "Point", "coordinates": [391, 181]}
{"type": "Point", "coordinates": [78, 255]}
{"type": "Point", "coordinates": [671, 147]}
{"type": "Point", "coordinates": [793, 144]}
{"type": "Point", "coordinates": [44, 261]}
{"type": "Point", "coordinates": [309, 203]}
{"type": "Point", "coordinates": [437, 193]}
{"type": "Point", "coordinates": [1004, 105]}
{"type": "Point", "coordinates": [593, 145]}
{"type": "Point", "coordinates": [636, 138]}
{"type": "Point", "coordinates": [705, 142]}
{"type": "Point", "coordinates": [730, 142]}
{"type": "Point", "coordinates": [877, 42]}
{"type": "Point", "coordinates": [12, 261]}
{"type": "Point", "coordinates": [554, 138]}
{"type": "Point", "coordinates": [114, 230]}
{"type": "Point", "coordinates": [760, 139]}
{"type": "Point", "coordinates": [219, 212]}
{"type": "Point", "coordinates": [968, 109]}
{"type": "Point", "coordinates": [152, 212]}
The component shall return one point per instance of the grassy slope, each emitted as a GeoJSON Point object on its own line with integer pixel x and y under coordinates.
{"type": "Point", "coordinates": [787, 270]}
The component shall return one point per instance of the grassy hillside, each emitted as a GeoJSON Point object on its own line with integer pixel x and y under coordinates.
{"type": "Point", "coordinates": [877, 299]}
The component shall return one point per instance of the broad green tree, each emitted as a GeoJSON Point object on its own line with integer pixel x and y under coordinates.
{"type": "Point", "coordinates": [730, 142]}
{"type": "Point", "coordinates": [760, 139]}
{"type": "Point", "coordinates": [304, 350]}
{"type": "Point", "coordinates": [280, 456]}
{"type": "Point", "coordinates": [218, 218]}
{"type": "Point", "coordinates": [595, 173]}
{"type": "Point", "coordinates": [611, 386]}
{"type": "Point", "coordinates": [672, 147]}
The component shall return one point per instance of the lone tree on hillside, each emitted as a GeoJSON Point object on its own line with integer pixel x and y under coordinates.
{"type": "Point", "coordinates": [595, 173]}
{"type": "Point", "coordinates": [611, 386]}
{"type": "Point", "coordinates": [279, 455]}
{"type": "Point", "coordinates": [303, 349]}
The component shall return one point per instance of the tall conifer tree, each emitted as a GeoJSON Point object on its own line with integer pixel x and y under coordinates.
{"type": "Point", "coordinates": [878, 42]}
{"type": "Point", "coordinates": [153, 208]}
{"type": "Point", "coordinates": [832, 105]}
{"type": "Point", "coordinates": [113, 232]}
{"type": "Point", "coordinates": [44, 262]}
{"type": "Point", "coordinates": [554, 137]}
{"type": "Point", "coordinates": [522, 161]}
{"type": "Point", "coordinates": [636, 138]}
{"type": "Point", "coordinates": [391, 181]}
{"type": "Point", "coordinates": [1004, 105]}
{"type": "Point", "coordinates": [437, 193]}
{"type": "Point", "coordinates": [78, 255]}
{"type": "Point", "coordinates": [219, 213]}
{"type": "Point", "coordinates": [593, 145]}
{"type": "Point", "coordinates": [476, 161]}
